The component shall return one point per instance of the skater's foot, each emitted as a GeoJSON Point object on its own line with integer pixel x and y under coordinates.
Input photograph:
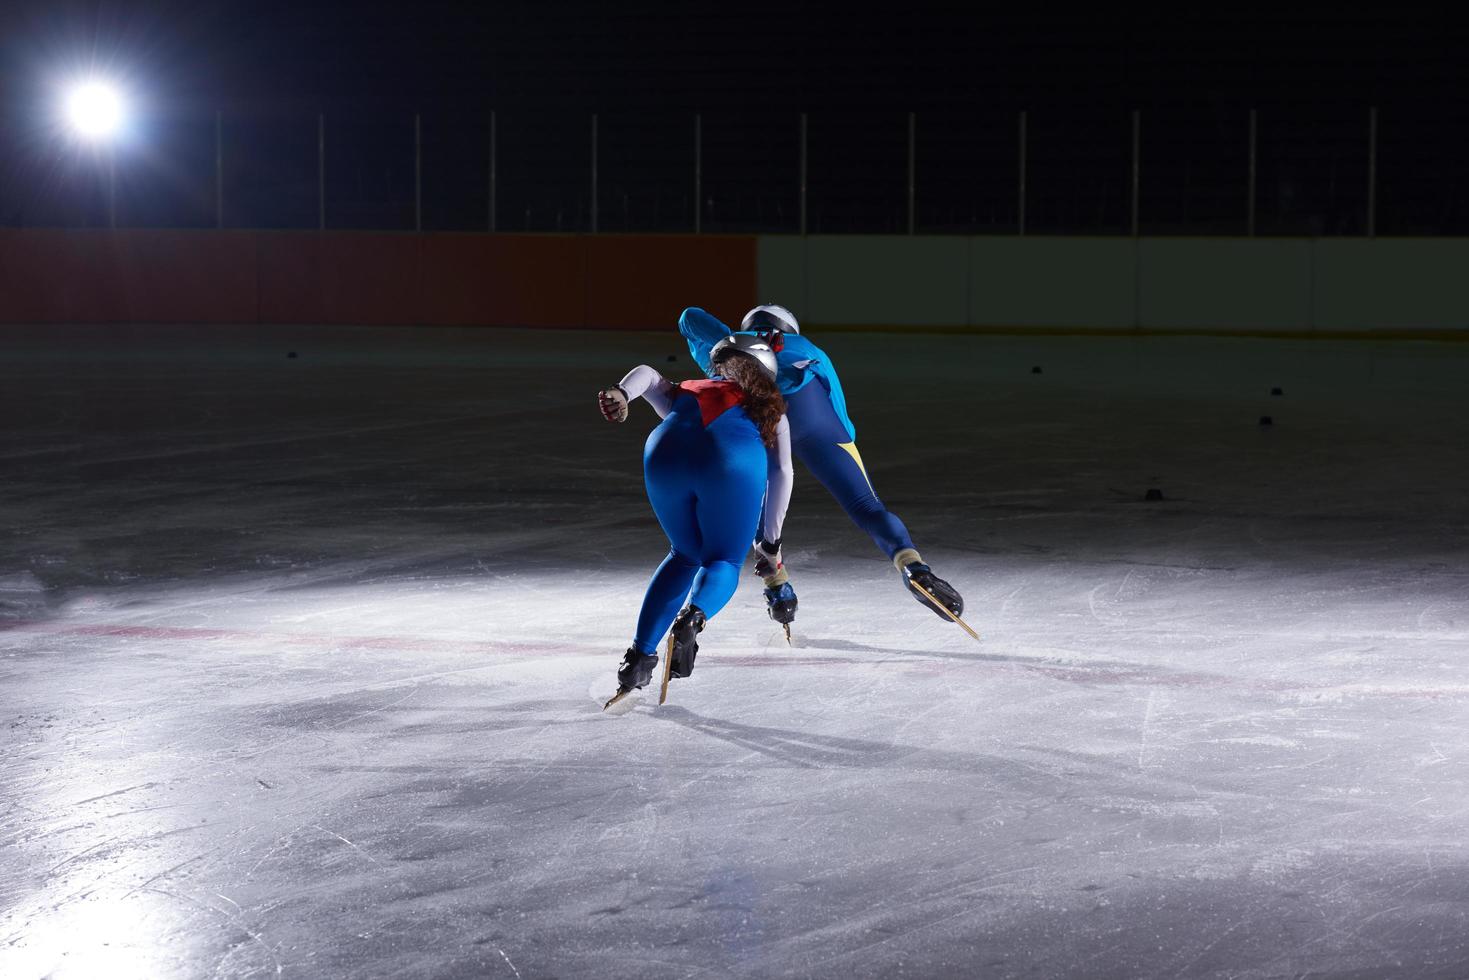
{"type": "Point", "coordinates": [916, 573]}
{"type": "Point", "coordinates": [780, 602]}
{"type": "Point", "coordinates": [684, 641]}
{"type": "Point", "coordinates": [636, 670]}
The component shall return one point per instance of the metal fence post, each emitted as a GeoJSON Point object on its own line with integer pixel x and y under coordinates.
{"type": "Point", "coordinates": [1021, 188]}
{"type": "Point", "coordinates": [803, 173]}
{"type": "Point", "coordinates": [698, 173]}
{"type": "Point", "coordinates": [321, 171]}
{"type": "Point", "coordinates": [218, 168]}
{"type": "Point", "coordinates": [1372, 172]}
{"type": "Point", "coordinates": [594, 173]}
{"type": "Point", "coordinates": [912, 172]}
{"type": "Point", "coordinates": [1137, 164]}
{"type": "Point", "coordinates": [417, 172]}
{"type": "Point", "coordinates": [493, 175]}
{"type": "Point", "coordinates": [1250, 205]}
{"type": "Point", "coordinates": [111, 187]}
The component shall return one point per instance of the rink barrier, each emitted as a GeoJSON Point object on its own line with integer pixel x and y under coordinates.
{"type": "Point", "coordinates": [1248, 287]}
{"type": "Point", "coordinates": [1406, 288]}
{"type": "Point", "coordinates": [369, 278]}
{"type": "Point", "coordinates": [1243, 333]}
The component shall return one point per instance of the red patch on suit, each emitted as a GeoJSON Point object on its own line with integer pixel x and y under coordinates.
{"type": "Point", "coordinates": [715, 397]}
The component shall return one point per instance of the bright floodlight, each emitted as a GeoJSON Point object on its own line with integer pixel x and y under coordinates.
{"type": "Point", "coordinates": [95, 110]}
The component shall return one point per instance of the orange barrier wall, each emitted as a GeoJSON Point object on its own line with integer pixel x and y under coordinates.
{"type": "Point", "coordinates": [156, 276]}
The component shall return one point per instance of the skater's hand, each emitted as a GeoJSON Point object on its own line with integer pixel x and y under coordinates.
{"type": "Point", "coordinates": [767, 557]}
{"type": "Point", "coordinates": [613, 403]}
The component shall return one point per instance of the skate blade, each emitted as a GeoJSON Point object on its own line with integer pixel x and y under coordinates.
{"type": "Point", "coordinates": [943, 608]}
{"type": "Point", "coordinates": [667, 670]}
{"type": "Point", "coordinates": [619, 698]}
{"type": "Point", "coordinates": [787, 628]}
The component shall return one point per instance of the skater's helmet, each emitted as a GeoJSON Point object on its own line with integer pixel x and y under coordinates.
{"type": "Point", "coordinates": [769, 316]}
{"type": "Point", "coordinates": [744, 344]}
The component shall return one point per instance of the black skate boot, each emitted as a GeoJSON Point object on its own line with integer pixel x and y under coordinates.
{"type": "Point", "coordinates": [636, 670]}
{"type": "Point", "coordinates": [916, 573]}
{"type": "Point", "coordinates": [684, 640]}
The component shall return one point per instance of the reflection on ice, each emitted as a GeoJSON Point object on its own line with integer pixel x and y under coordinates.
{"type": "Point", "coordinates": [132, 934]}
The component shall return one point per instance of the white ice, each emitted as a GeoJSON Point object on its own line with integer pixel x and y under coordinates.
{"type": "Point", "coordinates": [299, 660]}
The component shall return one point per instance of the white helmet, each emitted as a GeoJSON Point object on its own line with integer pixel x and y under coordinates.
{"type": "Point", "coordinates": [769, 316]}
{"type": "Point", "coordinates": [753, 346]}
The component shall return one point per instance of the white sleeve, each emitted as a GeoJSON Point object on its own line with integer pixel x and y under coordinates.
{"type": "Point", "coordinates": [779, 478]}
{"type": "Point", "coordinates": [645, 382]}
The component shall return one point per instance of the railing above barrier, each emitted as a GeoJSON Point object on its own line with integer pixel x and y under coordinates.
{"type": "Point", "coordinates": [1268, 170]}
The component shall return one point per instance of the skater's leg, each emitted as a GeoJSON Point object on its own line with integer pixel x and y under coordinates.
{"type": "Point", "coordinates": [670, 484]}
{"type": "Point", "coordinates": [821, 441]}
{"type": "Point", "coordinates": [839, 468]}
{"type": "Point", "coordinates": [664, 598]}
{"type": "Point", "coordinates": [728, 512]}
{"type": "Point", "coordinates": [715, 585]}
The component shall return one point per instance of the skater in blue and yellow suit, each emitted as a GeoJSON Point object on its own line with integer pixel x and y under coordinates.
{"type": "Point", "coordinates": [824, 438]}
{"type": "Point", "coordinates": [723, 446]}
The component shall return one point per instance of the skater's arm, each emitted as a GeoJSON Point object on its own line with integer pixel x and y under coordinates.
{"type": "Point", "coordinates": [643, 381]}
{"type": "Point", "coordinates": [702, 331]}
{"type": "Point", "coordinates": [779, 479]}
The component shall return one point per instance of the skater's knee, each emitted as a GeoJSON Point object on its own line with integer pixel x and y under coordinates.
{"type": "Point", "coordinates": [864, 508]}
{"type": "Point", "coordinates": [682, 557]}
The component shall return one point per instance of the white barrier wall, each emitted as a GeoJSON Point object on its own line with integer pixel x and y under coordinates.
{"type": "Point", "coordinates": [921, 280]}
{"type": "Point", "coordinates": [1392, 283]}
{"type": "Point", "coordinates": [1158, 284]}
{"type": "Point", "coordinates": [1224, 283]}
{"type": "Point", "coordinates": [1052, 282]}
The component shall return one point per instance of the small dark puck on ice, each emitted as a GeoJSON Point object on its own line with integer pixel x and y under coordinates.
{"type": "Point", "coordinates": [1153, 494]}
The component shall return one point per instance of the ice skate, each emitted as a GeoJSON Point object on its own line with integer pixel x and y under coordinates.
{"type": "Point", "coordinates": [635, 671]}
{"type": "Point", "coordinates": [927, 587]}
{"type": "Point", "coordinates": [684, 641]}
{"type": "Point", "coordinates": [931, 590]}
{"type": "Point", "coordinates": [683, 645]}
{"type": "Point", "coordinates": [780, 603]}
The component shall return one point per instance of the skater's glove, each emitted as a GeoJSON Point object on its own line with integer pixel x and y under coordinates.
{"type": "Point", "coordinates": [768, 561]}
{"type": "Point", "coordinates": [613, 403]}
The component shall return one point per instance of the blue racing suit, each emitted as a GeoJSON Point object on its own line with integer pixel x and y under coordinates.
{"type": "Point", "coordinates": [822, 435]}
{"type": "Point", "coordinates": [706, 478]}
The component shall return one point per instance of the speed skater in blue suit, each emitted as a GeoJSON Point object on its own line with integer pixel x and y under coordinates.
{"type": "Point", "coordinates": [825, 440]}
{"type": "Point", "coordinates": [722, 448]}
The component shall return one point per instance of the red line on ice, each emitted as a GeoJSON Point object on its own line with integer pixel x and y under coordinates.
{"type": "Point", "coordinates": [301, 639]}
{"type": "Point", "coordinates": [1070, 674]}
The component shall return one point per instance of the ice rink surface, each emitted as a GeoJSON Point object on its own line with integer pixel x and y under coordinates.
{"type": "Point", "coordinates": [299, 659]}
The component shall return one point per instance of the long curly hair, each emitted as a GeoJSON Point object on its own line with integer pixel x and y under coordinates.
{"type": "Point", "coordinates": [763, 402]}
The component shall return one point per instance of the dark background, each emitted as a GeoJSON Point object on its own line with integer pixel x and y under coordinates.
{"type": "Point", "coordinates": [1310, 70]}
